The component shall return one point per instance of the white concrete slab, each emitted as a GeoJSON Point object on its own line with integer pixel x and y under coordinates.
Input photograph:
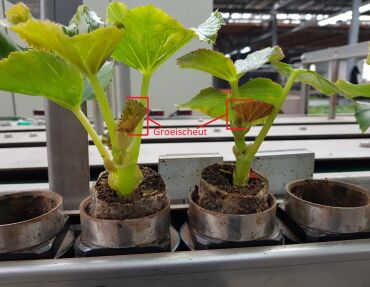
{"type": "Point", "coordinates": [35, 157]}
{"type": "Point", "coordinates": [209, 133]}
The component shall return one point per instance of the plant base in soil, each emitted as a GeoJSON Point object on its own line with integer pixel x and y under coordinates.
{"type": "Point", "coordinates": [147, 199]}
{"type": "Point", "coordinates": [217, 193]}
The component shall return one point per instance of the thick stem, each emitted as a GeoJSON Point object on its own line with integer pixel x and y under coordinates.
{"type": "Point", "coordinates": [252, 150]}
{"type": "Point", "coordinates": [92, 133]}
{"type": "Point", "coordinates": [128, 175]}
{"type": "Point", "coordinates": [235, 94]}
{"type": "Point", "coordinates": [105, 109]}
{"type": "Point", "coordinates": [240, 148]}
{"type": "Point", "coordinates": [143, 93]}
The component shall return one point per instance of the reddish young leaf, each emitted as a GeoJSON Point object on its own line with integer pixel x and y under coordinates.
{"type": "Point", "coordinates": [250, 110]}
{"type": "Point", "coordinates": [253, 175]}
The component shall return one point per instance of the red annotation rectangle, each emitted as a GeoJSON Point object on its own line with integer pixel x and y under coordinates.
{"type": "Point", "coordinates": [146, 100]}
{"type": "Point", "coordinates": [227, 114]}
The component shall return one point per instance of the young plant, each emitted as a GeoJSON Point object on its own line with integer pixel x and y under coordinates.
{"type": "Point", "coordinates": [258, 101]}
{"type": "Point", "coordinates": [70, 65]}
{"type": "Point", "coordinates": [151, 38]}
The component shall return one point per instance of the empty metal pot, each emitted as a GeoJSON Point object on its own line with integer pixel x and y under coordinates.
{"type": "Point", "coordinates": [328, 206]}
{"type": "Point", "coordinates": [113, 233]}
{"type": "Point", "coordinates": [28, 219]}
{"type": "Point", "coordinates": [232, 227]}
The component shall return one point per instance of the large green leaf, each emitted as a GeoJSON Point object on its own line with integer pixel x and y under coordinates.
{"type": "Point", "coordinates": [352, 91]}
{"type": "Point", "coordinates": [84, 21]}
{"type": "Point", "coordinates": [88, 52]}
{"type": "Point", "coordinates": [210, 101]}
{"type": "Point", "coordinates": [6, 45]}
{"type": "Point", "coordinates": [261, 89]}
{"type": "Point", "coordinates": [258, 98]}
{"type": "Point", "coordinates": [151, 36]}
{"type": "Point", "coordinates": [209, 61]}
{"type": "Point", "coordinates": [105, 76]}
{"type": "Point", "coordinates": [307, 77]}
{"type": "Point", "coordinates": [37, 73]}
{"type": "Point", "coordinates": [362, 114]}
{"type": "Point", "coordinates": [208, 30]}
{"type": "Point", "coordinates": [257, 59]}
{"type": "Point", "coordinates": [253, 95]}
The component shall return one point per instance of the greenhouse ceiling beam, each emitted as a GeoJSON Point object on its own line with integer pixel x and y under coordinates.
{"type": "Point", "coordinates": [281, 4]}
{"type": "Point", "coordinates": [300, 27]}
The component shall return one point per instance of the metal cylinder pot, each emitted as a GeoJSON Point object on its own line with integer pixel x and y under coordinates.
{"type": "Point", "coordinates": [328, 206]}
{"type": "Point", "coordinates": [232, 227]}
{"type": "Point", "coordinates": [113, 233]}
{"type": "Point", "coordinates": [28, 219]}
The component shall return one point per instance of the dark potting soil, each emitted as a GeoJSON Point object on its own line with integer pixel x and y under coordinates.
{"type": "Point", "coordinates": [151, 185]}
{"type": "Point", "coordinates": [221, 175]}
{"type": "Point", "coordinates": [228, 198]}
{"type": "Point", "coordinates": [20, 208]}
{"type": "Point", "coordinates": [330, 194]}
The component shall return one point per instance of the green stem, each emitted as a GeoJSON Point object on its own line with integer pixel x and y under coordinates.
{"type": "Point", "coordinates": [129, 174]}
{"type": "Point", "coordinates": [252, 150]}
{"type": "Point", "coordinates": [143, 93]}
{"type": "Point", "coordinates": [92, 133]}
{"type": "Point", "coordinates": [105, 109]}
{"type": "Point", "coordinates": [235, 94]}
{"type": "Point", "coordinates": [240, 177]}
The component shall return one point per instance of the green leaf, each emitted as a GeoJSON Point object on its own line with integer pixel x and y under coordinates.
{"type": "Point", "coordinates": [352, 91]}
{"type": "Point", "coordinates": [88, 52]}
{"type": "Point", "coordinates": [283, 69]}
{"type": "Point", "coordinates": [116, 13]}
{"type": "Point", "coordinates": [208, 30]}
{"type": "Point", "coordinates": [307, 77]}
{"type": "Point", "coordinates": [362, 114]}
{"type": "Point", "coordinates": [259, 96]}
{"type": "Point", "coordinates": [261, 89]}
{"type": "Point", "coordinates": [6, 45]}
{"type": "Point", "coordinates": [105, 76]}
{"type": "Point", "coordinates": [368, 56]}
{"type": "Point", "coordinates": [38, 73]}
{"type": "Point", "coordinates": [210, 101]}
{"type": "Point", "coordinates": [151, 36]}
{"type": "Point", "coordinates": [257, 59]}
{"type": "Point", "coordinates": [84, 21]}
{"type": "Point", "coordinates": [209, 61]}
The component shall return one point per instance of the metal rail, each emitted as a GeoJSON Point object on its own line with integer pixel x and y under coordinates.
{"type": "Point", "coordinates": [342, 263]}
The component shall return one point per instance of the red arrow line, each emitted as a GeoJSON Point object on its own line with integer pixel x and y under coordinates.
{"type": "Point", "coordinates": [154, 122]}
{"type": "Point", "coordinates": [211, 121]}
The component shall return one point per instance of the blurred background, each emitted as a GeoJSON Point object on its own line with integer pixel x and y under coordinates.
{"type": "Point", "coordinates": [298, 26]}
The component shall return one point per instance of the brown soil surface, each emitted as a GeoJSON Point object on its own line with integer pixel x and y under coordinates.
{"type": "Point", "coordinates": [152, 184]}
{"type": "Point", "coordinates": [217, 193]}
{"type": "Point", "coordinates": [330, 194]}
{"type": "Point", "coordinates": [148, 198]}
{"type": "Point", "coordinates": [20, 208]}
{"type": "Point", "coordinates": [222, 177]}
